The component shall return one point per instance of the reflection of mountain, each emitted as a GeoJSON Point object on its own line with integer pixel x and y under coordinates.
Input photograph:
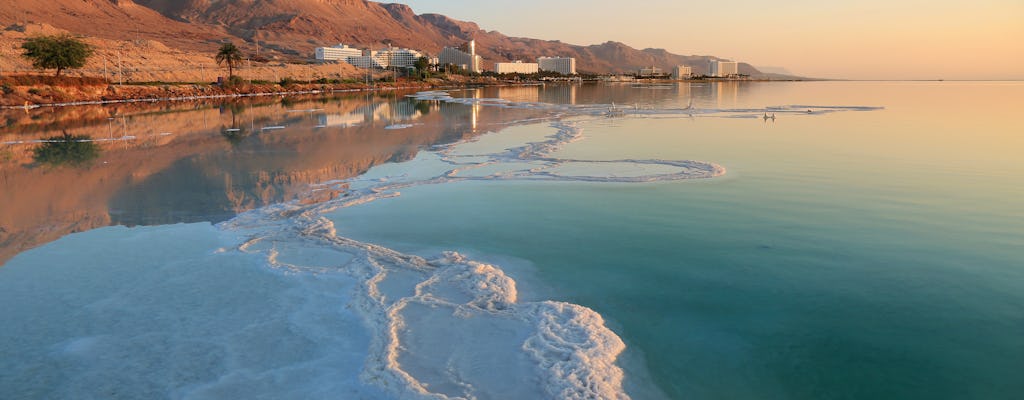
{"type": "Point", "coordinates": [177, 164]}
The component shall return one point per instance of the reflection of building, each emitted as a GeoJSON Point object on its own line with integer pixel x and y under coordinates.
{"type": "Point", "coordinates": [558, 94]}
{"type": "Point", "coordinates": [342, 120]}
{"type": "Point", "coordinates": [519, 94]}
{"type": "Point", "coordinates": [681, 72]}
{"type": "Point", "coordinates": [517, 67]}
{"type": "Point", "coordinates": [562, 65]}
{"type": "Point", "coordinates": [727, 93]}
{"type": "Point", "coordinates": [551, 93]}
{"type": "Point", "coordinates": [723, 68]}
{"type": "Point", "coordinates": [388, 112]}
{"type": "Point", "coordinates": [464, 58]}
{"type": "Point", "coordinates": [341, 52]}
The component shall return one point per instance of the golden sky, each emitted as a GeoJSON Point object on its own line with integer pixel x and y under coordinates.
{"type": "Point", "coordinates": [867, 39]}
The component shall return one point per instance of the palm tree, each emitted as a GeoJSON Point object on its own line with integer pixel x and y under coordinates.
{"type": "Point", "coordinates": [230, 55]}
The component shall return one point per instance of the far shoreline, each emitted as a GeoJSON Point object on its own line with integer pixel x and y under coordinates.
{"type": "Point", "coordinates": [74, 93]}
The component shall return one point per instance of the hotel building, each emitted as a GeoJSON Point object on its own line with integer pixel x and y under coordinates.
{"type": "Point", "coordinates": [517, 67]}
{"type": "Point", "coordinates": [681, 72]}
{"type": "Point", "coordinates": [723, 68]}
{"type": "Point", "coordinates": [465, 58]}
{"type": "Point", "coordinates": [400, 58]}
{"type": "Point", "coordinates": [341, 52]}
{"type": "Point", "coordinates": [562, 65]}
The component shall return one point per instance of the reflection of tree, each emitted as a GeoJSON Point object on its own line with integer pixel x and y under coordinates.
{"type": "Point", "coordinates": [67, 149]}
{"type": "Point", "coordinates": [235, 134]}
{"type": "Point", "coordinates": [423, 107]}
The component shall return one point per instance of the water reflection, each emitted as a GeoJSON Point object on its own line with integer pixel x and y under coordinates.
{"type": "Point", "coordinates": [160, 163]}
{"type": "Point", "coordinates": [65, 149]}
{"type": "Point", "coordinates": [205, 161]}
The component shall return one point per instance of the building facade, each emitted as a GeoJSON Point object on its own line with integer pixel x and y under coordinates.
{"type": "Point", "coordinates": [517, 67]}
{"type": "Point", "coordinates": [649, 72]}
{"type": "Point", "coordinates": [341, 52]}
{"type": "Point", "coordinates": [562, 65]}
{"type": "Point", "coordinates": [723, 68]}
{"type": "Point", "coordinates": [399, 58]}
{"type": "Point", "coordinates": [364, 62]}
{"type": "Point", "coordinates": [682, 72]}
{"type": "Point", "coordinates": [466, 59]}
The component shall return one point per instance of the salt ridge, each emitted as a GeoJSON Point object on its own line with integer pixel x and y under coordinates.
{"type": "Point", "coordinates": [452, 327]}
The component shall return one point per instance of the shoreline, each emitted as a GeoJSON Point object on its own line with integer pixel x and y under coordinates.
{"type": "Point", "coordinates": [77, 94]}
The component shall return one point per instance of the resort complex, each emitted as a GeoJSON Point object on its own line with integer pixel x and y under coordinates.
{"type": "Point", "coordinates": [465, 59]}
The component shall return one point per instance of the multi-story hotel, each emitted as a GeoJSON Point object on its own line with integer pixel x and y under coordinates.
{"type": "Point", "coordinates": [400, 58]}
{"type": "Point", "coordinates": [341, 52]}
{"type": "Point", "coordinates": [465, 58]}
{"type": "Point", "coordinates": [517, 67]}
{"type": "Point", "coordinates": [723, 68]}
{"type": "Point", "coordinates": [562, 65]}
{"type": "Point", "coordinates": [649, 72]}
{"type": "Point", "coordinates": [681, 72]}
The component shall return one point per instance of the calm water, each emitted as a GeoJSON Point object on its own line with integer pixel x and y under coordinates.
{"type": "Point", "coordinates": [861, 253]}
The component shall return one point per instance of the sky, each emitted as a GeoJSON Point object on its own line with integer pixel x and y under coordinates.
{"type": "Point", "coordinates": [866, 39]}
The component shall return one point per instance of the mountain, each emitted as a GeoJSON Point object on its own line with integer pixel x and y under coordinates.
{"type": "Point", "coordinates": [293, 28]}
{"type": "Point", "coordinates": [110, 19]}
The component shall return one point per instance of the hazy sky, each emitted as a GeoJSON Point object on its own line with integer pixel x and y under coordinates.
{"type": "Point", "coordinates": [866, 39]}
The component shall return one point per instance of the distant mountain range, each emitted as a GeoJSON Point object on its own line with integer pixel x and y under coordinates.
{"type": "Point", "coordinates": [291, 29]}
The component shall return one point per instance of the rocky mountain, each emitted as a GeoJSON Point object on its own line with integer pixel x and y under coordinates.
{"type": "Point", "coordinates": [293, 28]}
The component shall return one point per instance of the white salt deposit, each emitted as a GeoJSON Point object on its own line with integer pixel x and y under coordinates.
{"type": "Point", "coordinates": [273, 304]}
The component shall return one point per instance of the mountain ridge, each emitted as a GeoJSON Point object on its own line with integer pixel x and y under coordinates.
{"type": "Point", "coordinates": [291, 29]}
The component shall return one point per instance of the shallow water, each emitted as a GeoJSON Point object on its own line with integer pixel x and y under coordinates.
{"type": "Point", "coordinates": [868, 248]}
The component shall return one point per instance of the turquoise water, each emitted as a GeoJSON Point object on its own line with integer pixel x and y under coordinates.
{"type": "Point", "coordinates": [851, 255]}
{"type": "Point", "coordinates": [872, 247]}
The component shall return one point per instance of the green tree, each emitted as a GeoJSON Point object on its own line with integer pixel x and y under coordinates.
{"type": "Point", "coordinates": [230, 55]}
{"type": "Point", "coordinates": [60, 52]}
{"type": "Point", "coordinates": [422, 66]}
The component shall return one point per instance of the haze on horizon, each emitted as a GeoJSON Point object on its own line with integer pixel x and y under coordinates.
{"type": "Point", "coordinates": [868, 39]}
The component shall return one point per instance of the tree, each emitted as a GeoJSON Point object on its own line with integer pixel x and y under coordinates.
{"type": "Point", "coordinates": [230, 55]}
{"type": "Point", "coordinates": [60, 52]}
{"type": "Point", "coordinates": [422, 66]}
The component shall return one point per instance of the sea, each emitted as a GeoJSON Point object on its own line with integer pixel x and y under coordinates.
{"type": "Point", "coordinates": [640, 240]}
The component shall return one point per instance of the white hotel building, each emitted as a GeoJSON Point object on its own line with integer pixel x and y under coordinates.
{"type": "Point", "coordinates": [467, 60]}
{"type": "Point", "coordinates": [723, 68]}
{"type": "Point", "coordinates": [402, 58]}
{"type": "Point", "coordinates": [562, 65]}
{"type": "Point", "coordinates": [681, 72]}
{"type": "Point", "coordinates": [341, 52]}
{"type": "Point", "coordinates": [517, 67]}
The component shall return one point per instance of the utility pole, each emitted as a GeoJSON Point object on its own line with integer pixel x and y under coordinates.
{"type": "Point", "coordinates": [120, 74]}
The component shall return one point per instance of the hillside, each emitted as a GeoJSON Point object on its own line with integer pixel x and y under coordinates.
{"type": "Point", "coordinates": [291, 29]}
